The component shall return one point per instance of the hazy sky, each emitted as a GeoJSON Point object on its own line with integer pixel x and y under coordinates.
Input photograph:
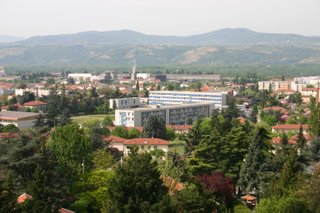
{"type": "Point", "coordinates": [164, 17]}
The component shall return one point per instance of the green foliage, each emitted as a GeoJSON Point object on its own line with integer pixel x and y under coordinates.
{"type": "Point", "coordinates": [155, 127]}
{"type": "Point", "coordinates": [136, 186]}
{"type": "Point", "coordinates": [259, 152]}
{"type": "Point", "coordinates": [314, 119]}
{"type": "Point", "coordinates": [107, 121]}
{"type": "Point", "coordinates": [10, 128]}
{"type": "Point", "coordinates": [120, 131]}
{"type": "Point", "coordinates": [171, 135]}
{"type": "Point", "coordinates": [93, 195]}
{"type": "Point", "coordinates": [134, 133]}
{"type": "Point", "coordinates": [103, 159]}
{"type": "Point", "coordinates": [71, 147]}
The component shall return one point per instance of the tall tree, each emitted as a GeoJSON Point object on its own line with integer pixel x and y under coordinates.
{"type": "Point", "coordinates": [137, 185]}
{"type": "Point", "coordinates": [314, 119]}
{"type": "Point", "coordinates": [155, 127]}
{"type": "Point", "coordinates": [253, 164]}
{"type": "Point", "coordinates": [301, 140]}
{"type": "Point", "coordinates": [72, 148]}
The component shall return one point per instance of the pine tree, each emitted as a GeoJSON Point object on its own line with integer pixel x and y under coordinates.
{"type": "Point", "coordinates": [256, 157]}
{"type": "Point", "coordinates": [301, 140]}
{"type": "Point", "coordinates": [137, 185]}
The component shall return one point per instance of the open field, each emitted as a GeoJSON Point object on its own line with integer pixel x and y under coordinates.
{"type": "Point", "coordinates": [90, 118]}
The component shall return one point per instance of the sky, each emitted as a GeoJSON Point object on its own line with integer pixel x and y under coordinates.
{"type": "Point", "coordinates": [28, 18]}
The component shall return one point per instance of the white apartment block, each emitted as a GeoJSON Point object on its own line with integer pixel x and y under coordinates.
{"type": "Point", "coordinates": [171, 98]}
{"type": "Point", "coordinates": [312, 80]}
{"type": "Point", "coordinates": [38, 92]}
{"type": "Point", "coordinates": [124, 103]}
{"type": "Point", "coordinates": [80, 77]}
{"type": "Point", "coordinates": [172, 115]}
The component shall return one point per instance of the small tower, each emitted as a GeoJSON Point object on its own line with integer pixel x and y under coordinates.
{"type": "Point", "coordinates": [133, 73]}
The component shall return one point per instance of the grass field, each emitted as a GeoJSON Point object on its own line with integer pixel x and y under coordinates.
{"type": "Point", "coordinates": [89, 118]}
{"type": "Point", "coordinates": [177, 147]}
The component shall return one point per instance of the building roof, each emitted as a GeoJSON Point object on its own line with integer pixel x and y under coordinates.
{"type": "Point", "coordinates": [13, 115]}
{"type": "Point", "coordinates": [63, 210]}
{"type": "Point", "coordinates": [8, 135]}
{"type": "Point", "coordinates": [290, 127]}
{"type": "Point", "coordinates": [23, 198]}
{"type": "Point", "coordinates": [276, 108]}
{"type": "Point", "coordinates": [310, 89]}
{"type": "Point", "coordinates": [35, 103]}
{"type": "Point", "coordinates": [277, 141]}
{"type": "Point", "coordinates": [248, 198]}
{"type": "Point", "coordinates": [146, 141]}
{"type": "Point", "coordinates": [115, 139]}
{"type": "Point", "coordinates": [285, 90]}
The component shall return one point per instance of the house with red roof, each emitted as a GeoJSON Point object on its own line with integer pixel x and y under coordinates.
{"type": "Point", "coordinates": [290, 128]}
{"type": "Point", "coordinates": [22, 198]}
{"type": "Point", "coordinates": [115, 142]}
{"type": "Point", "coordinates": [38, 105]}
{"type": "Point", "coordinates": [180, 129]}
{"type": "Point", "coordinates": [146, 145]}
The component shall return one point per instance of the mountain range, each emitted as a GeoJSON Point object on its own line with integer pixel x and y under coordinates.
{"type": "Point", "coordinates": [218, 48]}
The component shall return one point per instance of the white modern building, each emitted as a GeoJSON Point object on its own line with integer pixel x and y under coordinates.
{"type": "Point", "coordinates": [38, 92]}
{"type": "Point", "coordinates": [124, 103]}
{"type": "Point", "coordinates": [80, 77]}
{"type": "Point", "coordinates": [22, 120]}
{"type": "Point", "coordinates": [171, 98]}
{"type": "Point", "coordinates": [172, 115]}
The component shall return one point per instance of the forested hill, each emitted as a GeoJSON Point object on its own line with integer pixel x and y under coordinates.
{"type": "Point", "coordinates": [220, 48]}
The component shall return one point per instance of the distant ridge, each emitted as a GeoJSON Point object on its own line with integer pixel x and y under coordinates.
{"type": "Point", "coordinates": [227, 36]}
{"type": "Point", "coordinates": [225, 47]}
{"type": "Point", "coordinates": [8, 38]}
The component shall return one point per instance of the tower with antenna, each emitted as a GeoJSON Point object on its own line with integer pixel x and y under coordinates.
{"type": "Point", "coordinates": [133, 73]}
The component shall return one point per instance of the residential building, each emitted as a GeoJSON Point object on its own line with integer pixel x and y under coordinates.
{"type": "Point", "coordinates": [146, 145]}
{"type": "Point", "coordinates": [38, 105]}
{"type": "Point", "coordinates": [38, 92]}
{"type": "Point", "coordinates": [80, 77]}
{"type": "Point", "coordinates": [308, 92]}
{"type": "Point", "coordinates": [124, 103]}
{"type": "Point", "coordinates": [294, 128]}
{"type": "Point", "coordinates": [21, 120]}
{"type": "Point", "coordinates": [274, 85]}
{"type": "Point", "coordinates": [172, 115]}
{"type": "Point", "coordinates": [115, 142]}
{"type": "Point", "coordinates": [171, 98]}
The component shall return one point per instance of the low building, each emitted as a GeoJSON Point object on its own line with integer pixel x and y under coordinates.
{"type": "Point", "coordinates": [172, 115]}
{"type": "Point", "coordinates": [115, 142]}
{"type": "Point", "coordinates": [21, 120]}
{"type": "Point", "coordinates": [124, 103]}
{"type": "Point", "coordinates": [146, 144]}
{"type": "Point", "coordinates": [81, 77]}
{"type": "Point", "coordinates": [180, 129]}
{"type": "Point", "coordinates": [38, 105]}
{"type": "Point", "coordinates": [290, 128]}
{"type": "Point", "coordinates": [38, 92]}
{"type": "Point", "coordinates": [23, 197]}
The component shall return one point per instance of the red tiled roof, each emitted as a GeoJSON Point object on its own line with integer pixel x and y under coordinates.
{"type": "Point", "coordinates": [276, 108]}
{"type": "Point", "coordinates": [23, 198]}
{"type": "Point", "coordinates": [248, 198]}
{"type": "Point", "coordinates": [306, 136]}
{"type": "Point", "coordinates": [277, 141]}
{"type": "Point", "coordinates": [63, 210]}
{"type": "Point", "coordinates": [148, 141]}
{"type": "Point", "coordinates": [35, 103]}
{"type": "Point", "coordinates": [290, 127]}
{"type": "Point", "coordinates": [6, 85]}
{"type": "Point", "coordinates": [115, 139]}
{"type": "Point", "coordinates": [7, 135]}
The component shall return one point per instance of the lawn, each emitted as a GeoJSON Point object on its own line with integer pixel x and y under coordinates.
{"type": "Point", "coordinates": [90, 118]}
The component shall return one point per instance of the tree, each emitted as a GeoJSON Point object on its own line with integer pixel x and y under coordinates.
{"type": "Point", "coordinates": [258, 154]}
{"type": "Point", "coordinates": [134, 133]}
{"type": "Point", "coordinates": [103, 159]}
{"type": "Point", "coordinates": [136, 186]}
{"type": "Point", "coordinates": [301, 140]}
{"type": "Point", "coordinates": [137, 86]}
{"type": "Point", "coordinates": [71, 147]}
{"type": "Point", "coordinates": [49, 187]}
{"type": "Point", "coordinates": [107, 121]}
{"type": "Point", "coordinates": [314, 119]}
{"type": "Point", "coordinates": [155, 127]}
{"type": "Point", "coordinates": [10, 128]}
{"type": "Point", "coordinates": [194, 136]}
{"type": "Point", "coordinates": [120, 131]}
